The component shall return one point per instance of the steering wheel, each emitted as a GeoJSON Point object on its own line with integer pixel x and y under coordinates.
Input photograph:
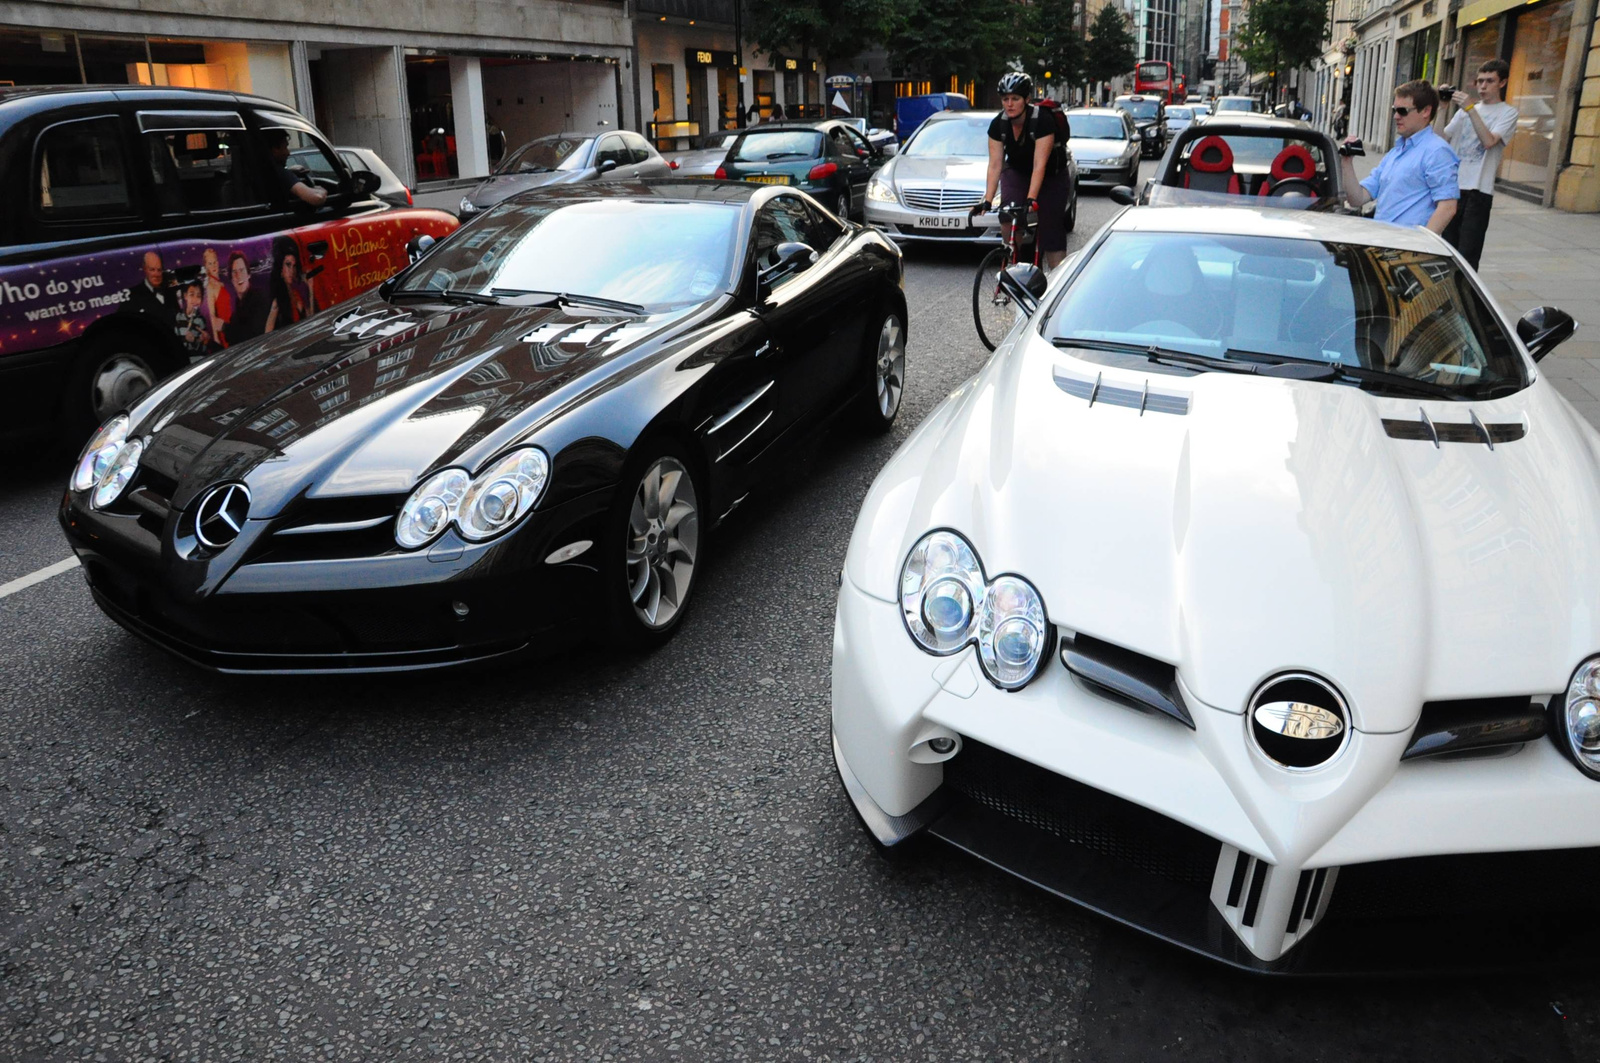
{"type": "Point", "coordinates": [1293, 186]}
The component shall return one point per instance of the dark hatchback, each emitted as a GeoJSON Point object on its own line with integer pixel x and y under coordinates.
{"type": "Point", "coordinates": [509, 446]}
{"type": "Point", "coordinates": [829, 160]}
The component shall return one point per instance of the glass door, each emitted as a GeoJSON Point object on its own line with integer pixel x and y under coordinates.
{"type": "Point", "coordinates": [1538, 52]}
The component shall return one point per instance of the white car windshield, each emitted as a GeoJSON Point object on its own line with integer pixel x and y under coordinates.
{"type": "Point", "coordinates": [1408, 314]}
{"type": "Point", "coordinates": [650, 253]}
{"type": "Point", "coordinates": [958, 137]}
{"type": "Point", "coordinates": [1097, 127]}
{"type": "Point", "coordinates": [1179, 113]}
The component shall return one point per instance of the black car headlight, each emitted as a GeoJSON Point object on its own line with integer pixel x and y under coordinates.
{"type": "Point", "coordinates": [948, 604]}
{"type": "Point", "coordinates": [481, 507]}
{"type": "Point", "coordinates": [108, 463]}
{"type": "Point", "coordinates": [1578, 726]}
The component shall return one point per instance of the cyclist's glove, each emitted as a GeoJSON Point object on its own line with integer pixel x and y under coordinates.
{"type": "Point", "coordinates": [980, 207]}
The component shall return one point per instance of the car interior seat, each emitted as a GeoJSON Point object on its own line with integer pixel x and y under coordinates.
{"type": "Point", "coordinates": [1210, 167]}
{"type": "Point", "coordinates": [1293, 163]}
{"type": "Point", "coordinates": [1171, 297]}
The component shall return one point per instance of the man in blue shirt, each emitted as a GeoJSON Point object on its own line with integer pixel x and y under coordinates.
{"type": "Point", "coordinates": [1415, 184]}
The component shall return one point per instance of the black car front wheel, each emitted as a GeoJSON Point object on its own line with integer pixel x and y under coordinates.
{"type": "Point", "coordinates": [884, 361]}
{"type": "Point", "coordinates": [843, 209]}
{"type": "Point", "coordinates": [655, 546]}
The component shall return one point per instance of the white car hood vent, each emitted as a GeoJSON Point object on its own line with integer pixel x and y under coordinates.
{"type": "Point", "coordinates": [1145, 399]}
{"type": "Point", "coordinates": [1437, 432]}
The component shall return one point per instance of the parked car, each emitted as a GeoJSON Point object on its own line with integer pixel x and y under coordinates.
{"type": "Point", "coordinates": [829, 160]}
{"type": "Point", "coordinates": [1149, 114]}
{"type": "Point", "coordinates": [705, 157]}
{"type": "Point", "coordinates": [1251, 159]}
{"type": "Point", "coordinates": [1235, 104]}
{"type": "Point", "coordinates": [927, 191]}
{"type": "Point", "coordinates": [1303, 694]}
{"type": "Point", "coordinates": [568, 158]}
{"type": "Point", "coordinates": [144, 228]}
{"type": "Point", "coordinates": [391, 189]}
{"type": "Point", "coordinates": [1106, 145]}
{"type": "Point", "coordinates": [521, 441]}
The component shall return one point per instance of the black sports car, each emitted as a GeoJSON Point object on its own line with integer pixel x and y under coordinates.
{"type": "Point", "coordinates": [521, 438]}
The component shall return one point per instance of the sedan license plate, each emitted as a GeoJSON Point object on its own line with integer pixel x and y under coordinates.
{"type": "Point", "coordinates": [769, 178]}
{"type": "Point", "coordinates": [943, 221]}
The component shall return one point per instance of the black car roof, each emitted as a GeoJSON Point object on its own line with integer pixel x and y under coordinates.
{"type": "Point", "coordinates": [34, 98]}
{"type": "Point", "coordinates": [786, 127]}
{"type": "Point", "coordinates": [665, 189]}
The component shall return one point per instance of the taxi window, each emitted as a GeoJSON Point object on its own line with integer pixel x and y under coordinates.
{"type": "Point", "coordinates": [199, 171]}
{"type": "Point", "coordinates": [81, 172]}
{"type": "Point", "coordinates": [309, 160]}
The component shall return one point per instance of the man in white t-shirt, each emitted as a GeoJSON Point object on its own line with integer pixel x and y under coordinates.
{"type": "Point", "coordinates": [1478, 133]}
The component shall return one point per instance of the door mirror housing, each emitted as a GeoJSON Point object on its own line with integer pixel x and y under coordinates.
{"type": "Point", "coordinates": [1544, 328]}
{"type": "Point", "coordinates": [607, 165]}
{"type": "Point", "coordinates": [418, 246]}
{"type": "Point", "coordinates": [1122, 194]}
{"type": "Point", "coordinates": [367, 182]}
{"type": "Point", "coordinates": [791, 257]}
{"type": "Point", "coordinates": [1025, 284]}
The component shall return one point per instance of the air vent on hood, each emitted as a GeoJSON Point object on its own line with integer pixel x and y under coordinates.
{"type": "Point", "coordinates": [1425, 429]}
{"type": "Point", "coordinates": [1094, 389]}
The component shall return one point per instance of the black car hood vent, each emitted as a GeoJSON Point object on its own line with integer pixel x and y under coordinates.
{"type": "Point", "coordinates": [1427, 430]}
{"type": "Point", "coordinates": [1145, 400]}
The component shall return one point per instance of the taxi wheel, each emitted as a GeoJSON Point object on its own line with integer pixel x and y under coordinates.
{"type": "Point", "coordinates": [113, 370]}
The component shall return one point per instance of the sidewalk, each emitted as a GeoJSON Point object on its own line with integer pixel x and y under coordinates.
{"type": "Point", "coordinates": [1538, 256]}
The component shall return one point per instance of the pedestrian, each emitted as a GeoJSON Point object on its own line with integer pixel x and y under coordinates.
{"type": "Point", "coordinates": [1478, 132]}
{"type": "Point", "coordinates": [1415, 183]}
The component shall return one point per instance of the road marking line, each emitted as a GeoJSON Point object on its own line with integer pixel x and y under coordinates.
{"type": "Point", "coordinates": [22, 583]}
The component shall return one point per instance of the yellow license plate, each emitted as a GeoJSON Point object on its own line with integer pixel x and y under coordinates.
{"type": "Point", "coordinates": [769, 179]}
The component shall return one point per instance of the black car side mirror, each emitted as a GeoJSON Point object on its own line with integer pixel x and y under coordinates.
{"type": "Point", "coordinates": [367, 181]}
{"type": "Point", "coordinates": [1122, 194]}
{"type": "Point", "coordinates": [418, 246]}
{"type": "Point", "coordinates": [1544, 328]}
{"type": "Point", "coordinates": [1025, 284]}
{"type": "Point", "coordinates": [789, 258]}
{"type": "Point", "coordinates": [607, 165]}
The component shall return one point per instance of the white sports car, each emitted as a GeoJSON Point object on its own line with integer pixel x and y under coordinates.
{"type": "Point", "coordinates": [1253, 585]}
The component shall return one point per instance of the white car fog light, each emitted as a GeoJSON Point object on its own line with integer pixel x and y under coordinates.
{"type": "Point", "coordinates": [431, 508]}
{"type": "Point", "coordinates": [1011, 632]}
{"type": "Point", "coordinates": [501, 494]}
{"type": "Point", "coordinates": [111, 483]}
{"type": "Point", "coordinates": [940, 586]}
{"type": "Point", "coordinates": [100, 453]}
{"type": "Point", "coordinates": [1579, 729]}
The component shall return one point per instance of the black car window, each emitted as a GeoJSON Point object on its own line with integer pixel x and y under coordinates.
{"type": "Point", "coordinates": [855, 141]}
{"type": "Point", "coordinates": [197, 170]}
{"type": "Point", "coordinates": [80, 173]}
{"type": "Point", "coordinates": [638, 150]}
{"type": "Point", "coordinates": [783, 220]}
{"type": "Point", "coordinates": [309, 160]}
{"type": "Point", "coordinates": [612, 149]}
{"type": "Point", "coordinates": [821, 230]}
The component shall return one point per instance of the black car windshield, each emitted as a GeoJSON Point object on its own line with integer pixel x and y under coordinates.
{"type": "Point", "coordinates": [778, 145]}
{"type": "Point", "coordinates": [1098, 127]}
{"type": "Point", "coordinates": [652, 253]}
{"type": "Point", "coordinates": [546, 153]}
{"type": "Point", "coordinates": [1140, 108]}
{"type": "Point", "coordinates": [1411, 314]}
{"type": "Point", "coordinates": [957, 136]}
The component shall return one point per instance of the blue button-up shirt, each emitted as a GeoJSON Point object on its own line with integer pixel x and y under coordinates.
{"type": "Point", "coordinates": [1416, 175]}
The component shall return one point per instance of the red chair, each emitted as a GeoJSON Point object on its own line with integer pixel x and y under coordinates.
{"type": "Point", "coordinates": [1294, 163]}
{"type": "Point", "coordinates": [1210, 167]}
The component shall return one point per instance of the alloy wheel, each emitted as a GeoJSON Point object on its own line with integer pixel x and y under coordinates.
{"type": "Point", "coordinates": [663, 542]}
{"type": "Point", "coordinates": [891, 366]}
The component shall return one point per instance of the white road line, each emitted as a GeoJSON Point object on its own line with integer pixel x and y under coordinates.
{"type": "Point", "coordinates": [22, 583]}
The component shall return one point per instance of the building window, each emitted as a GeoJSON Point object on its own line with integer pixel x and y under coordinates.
{"type": "Point", "coordinates": [1538, 53]}
{"type": "Point", "coordinates": [662, 92]}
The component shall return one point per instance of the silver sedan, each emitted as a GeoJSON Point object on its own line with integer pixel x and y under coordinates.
{"type": "Point", "coordinates": [926, 191]}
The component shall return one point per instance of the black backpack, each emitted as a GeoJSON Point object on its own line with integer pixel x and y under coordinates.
{"type": "Point", "coordinates": [1046, 113]}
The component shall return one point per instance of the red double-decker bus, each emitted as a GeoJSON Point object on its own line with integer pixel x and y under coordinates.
{"type": "Point", "coordinates": [1155, 76]}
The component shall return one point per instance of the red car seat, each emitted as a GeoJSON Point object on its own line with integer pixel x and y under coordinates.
{"type": "Point", "coordinates": [1210, 167]}
{"type": "Point", "coordinates": [1293, 163]}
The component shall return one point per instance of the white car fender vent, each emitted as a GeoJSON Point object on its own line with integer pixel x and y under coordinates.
{"type": "Point", "coordinates": [1127, 677]}
{"type": "Point", "coordinates": [1146, 399]}
{"type": "Point", "coordinates": [1298, 721]}
{"type": "Point", "coordinates": [1427, 430]}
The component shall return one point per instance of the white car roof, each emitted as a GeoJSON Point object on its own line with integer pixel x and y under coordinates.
{"type": "Point", "coordinates": [1290, 224]}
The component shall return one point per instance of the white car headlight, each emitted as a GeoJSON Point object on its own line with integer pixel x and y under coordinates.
{"type": "Point", "coordinates": [947, 604]}
{"type": "Point", "coordinates": [100, 453]}
{"type": "Point", "coordinates": [481, 507]}
{"type": "Point", "coordinates": [880, 190]}
{"type": "Point", "coordinates": [1579, 725]}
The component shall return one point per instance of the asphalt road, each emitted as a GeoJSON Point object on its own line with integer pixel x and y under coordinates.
{"type": "Point", "coordinates": [591, 858]}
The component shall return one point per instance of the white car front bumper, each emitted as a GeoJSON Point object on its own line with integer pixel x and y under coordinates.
{"type": "Point", "coordinates": [1192, 835]}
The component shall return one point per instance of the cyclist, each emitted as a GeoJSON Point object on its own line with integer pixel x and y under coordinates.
{"type": "Point", "coordinates": [1027, 165]}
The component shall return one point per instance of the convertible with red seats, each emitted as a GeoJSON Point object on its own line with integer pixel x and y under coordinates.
{"type": "Point", "coordinates": [1265, 161]}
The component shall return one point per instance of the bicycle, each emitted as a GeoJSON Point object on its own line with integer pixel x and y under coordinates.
{"type": "Point", "coordinates": [992, 309]}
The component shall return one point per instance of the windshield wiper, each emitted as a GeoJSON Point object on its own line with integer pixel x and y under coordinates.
{"type": "Point", "coordinates": [446, 295]}
{"type": "Point", "coordinates": [1356, 374]}
{"type": "Point", "coordinates": [567, 298]}
{"type": "Point", "coordinates": [788, 155]}
{"type": "Point", "coordinates": [1152, 352]}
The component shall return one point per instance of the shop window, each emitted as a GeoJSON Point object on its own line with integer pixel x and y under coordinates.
{"type": "Point", "coordinates": [1539, 50]}
{"type": "Point", "coordinates": [661, 76]}
{"type": "Point", "coordinates": [82, 174]}
{"type": "Point", "coordinates": [195, 171]}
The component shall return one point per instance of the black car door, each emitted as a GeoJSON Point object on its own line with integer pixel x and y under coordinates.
{"type": "Point", "coordinates": [865, 161]}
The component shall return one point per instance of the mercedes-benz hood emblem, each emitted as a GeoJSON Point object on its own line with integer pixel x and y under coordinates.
{"type": "Point", "coordinates": [221, 515]}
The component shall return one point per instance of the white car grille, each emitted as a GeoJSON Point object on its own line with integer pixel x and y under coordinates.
{"type": "Point", "coordinates": [940, 199]}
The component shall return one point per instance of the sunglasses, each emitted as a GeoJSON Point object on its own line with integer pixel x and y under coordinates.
{"type": "Point", "coordinates": [1401, 112]}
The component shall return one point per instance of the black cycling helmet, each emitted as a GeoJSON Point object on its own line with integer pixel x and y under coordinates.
{"type": "Point", "coordinates": [1016, 83]}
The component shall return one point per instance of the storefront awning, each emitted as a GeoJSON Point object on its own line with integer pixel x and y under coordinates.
{"type": "Point", "coordinates": [1479, 10]}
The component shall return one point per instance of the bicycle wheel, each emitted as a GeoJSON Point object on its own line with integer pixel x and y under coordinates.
{"type": "Point", "coordinates": [992, 309]}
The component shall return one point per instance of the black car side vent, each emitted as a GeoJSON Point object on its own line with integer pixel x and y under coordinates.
{"type": "Point", "coordinates": [1427, 430]}
{"type": "Point", "coordinates": [1126, 676]}
{"type": "Point", "coordinates": [1146, 399]}
{"type": "Point", "coordinates": [1475, 724]}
